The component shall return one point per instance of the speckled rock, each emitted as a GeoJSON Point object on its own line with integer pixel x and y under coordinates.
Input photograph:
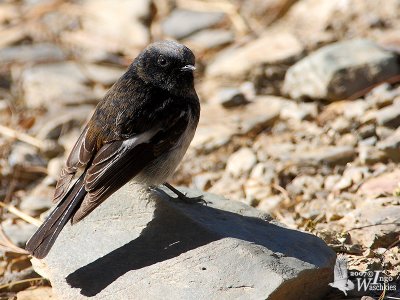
{"type": "Point", "coordinates": [144, 246]}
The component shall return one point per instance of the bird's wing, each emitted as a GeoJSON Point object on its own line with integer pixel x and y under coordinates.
{"type": "Point", "coordinates": [80, 156]}
{"type": "Point", "coordinates": [119, 161]}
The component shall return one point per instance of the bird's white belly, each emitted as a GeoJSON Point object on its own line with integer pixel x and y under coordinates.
{"type": "Point", "coordinates": [163, 167]}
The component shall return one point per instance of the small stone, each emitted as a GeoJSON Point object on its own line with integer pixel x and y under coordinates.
{"type": "Point", "coordinates": [53, 125]}
{"type": "Point", "coordinates": [299, 111]}
{"type": "Point", "coordinates": [36, 293]}
{"type": "Point", "coordinates": [204, 181]}
{"type": "Point", "coordinates": [371, 141]}
{"type": "Point", "coordinates": [305, 185]}
{"type": "Point", "coordinates": [343, 184]}
{"type": "Point", "coordinates": [181, 23]}
{"type": "Point", "coordinates": [376, 220]}
{"type": "Point", "coordinates": [35, 53]}
{"type": "Point", "coordinates": [389, 116]}
{"type": "Point", "coordinates": [370, 155]}
{"type": "Point", "coordinates": [107, 27]}
{"type": "Point", "coordinates": [230, 97]}
{"type": "Point", "coordinates": [384, 184]}
{"type": "Point", "coordinates": [51, 84]}
{"type": "Point", "coordinates": [18, 232]}
{"type": "Point", "coordinates": [270, 203]}
{"type": "Point", "coordinates": [391, 146]}
{"type": "Point", "coordinates": [330, 155]}
{"type": "Point", "coordinates": [270, 49]}
{"type": "Point", "coordinates": [340, 70]}
{"type": "Point", "coordinates": [341, 125]}
{"type": "Point", "coordinates": [210, 39]}
{"type": "Point", "coordinates": [241, 162]}
{"type": "Point", "coordinates": [217, 125]}
{"type": "Point", "coordinates": [54, 167]}
{"type": "Point", "coordinates": [366, 131]}
{"type": "Point", "coordinates": [382, 95]}
{"type": "Point", "coordinates": [24, 155]}
{"type": "Point", "coordinates": [35, 205]}
{"type": "Point", "coordinates": [331, 181]}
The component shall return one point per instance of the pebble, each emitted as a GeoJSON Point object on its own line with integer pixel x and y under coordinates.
{"type": "Point", "coordinates": [19, 232]}
{"type": "Point", "coordinates": [35, 53]}
{"type": "Point", "coordinates": [241, 162]}
{"type": "Point", "coordinates": [270, 49]}
{"type": "Point", "coordinates": [208, 39]}
{"type": "Point", "coordinates": [230, 97]}
{"type": "Point", "coordinates": [56, 84]}
{"type": "Point", "coordinates": [389, 116]}
{"type": "Point", "coordinates": [182, 23]}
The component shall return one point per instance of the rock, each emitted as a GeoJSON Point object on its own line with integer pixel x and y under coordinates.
{"type": "Point", "coordinates": [391, 145]}
{"type": "Point", "coordinates": [370, 155]}
{"type": "Point", "coordinates": [230, 187]}
{"type": "Point", "coordinates": [210, 39]}
{"type": "Point", "coordinates": [38, 200]}
{"type": "Point", "coordinates": [241, 162]}
{"type": "Point", "coordinates": [52, 84]}
{"type": "Point", "coordinates": [382, 95]}
{"type": "Point", "coordinates": [154, 248]}
{"type": "Point", "coordinates": [230, 97]}
{"type": "Point", "coordinates": [305, 185]}
{"type": "Point", "coordinates": [217, 125]}
{"type": "Point", "coordinates": [269, 204]}
{"type": "Point", "coordinates": [299, 111]}
{"type": "Point", "coordinates": [389, 116]}
{"type": "Point", "coordinates": [340, 70]}
{"type": "Point", "coordinates": [25, 155]}
{"type": "Point", "coordinates": [34, 53]}
{"type": "Point", "coordinates": [270, 49]}
{"type": "Point", "coordinates": [384, 184]}
{"type": "Point", "coordinates": [52, 125]}
{"type": "Point", "coordinates": [54, 167]}
{"type": "Point", "coordinates": [263, 12]}
{"type": "Point", "coordinates": [369, 217]}
{"type": "Point", "coordinates": [36, 293]}
{"type": "Point", "coordinates": [181, 22]}
{"type": "Point", "coordinates": [105, 75]}
{"type": "Point", "coordinates": [18, 232]}
{"type": "Point", "coordinates": [330, 155]}
{"type": "Point", "coordinates": [310, 19]}
{"type": "Point", "coordinates": [112, 28]}
{"type": "Point", "coordinates": [366, 131]}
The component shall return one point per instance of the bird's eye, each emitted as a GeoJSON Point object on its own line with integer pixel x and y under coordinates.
{"type": "Point", "coordinates": [162, 61]}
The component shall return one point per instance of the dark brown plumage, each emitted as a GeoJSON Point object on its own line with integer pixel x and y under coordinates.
{"type": "Point", "coordinates": [140, 131]}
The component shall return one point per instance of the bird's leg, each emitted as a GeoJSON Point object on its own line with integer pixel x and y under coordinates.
{"type": "Point", "coordinates": [183, 197]}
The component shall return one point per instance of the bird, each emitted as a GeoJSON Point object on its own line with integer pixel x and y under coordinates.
{"type": "Point", "coordinates": [138, 132]}
{"type": "Point", "coordinates": [341, 280]}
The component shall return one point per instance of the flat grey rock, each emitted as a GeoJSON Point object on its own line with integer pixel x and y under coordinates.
{"type": "Point", "coordinates": [340, 70]}
{"type": "Point", "coordinates": [141, 245]}
{"type": "Point", "coordinates": [182, 23]}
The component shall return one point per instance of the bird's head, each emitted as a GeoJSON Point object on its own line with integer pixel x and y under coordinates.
{"type": "Point", "coordinates": [167, 65]}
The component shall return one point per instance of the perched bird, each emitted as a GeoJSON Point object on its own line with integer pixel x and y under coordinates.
{"type": "Point", "coordinates": [139, 131]}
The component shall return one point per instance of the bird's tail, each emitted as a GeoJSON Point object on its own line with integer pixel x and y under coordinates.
{"type": "Point", "coordinates": [41, 242]}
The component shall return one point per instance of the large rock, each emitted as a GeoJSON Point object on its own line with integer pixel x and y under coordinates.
{"type": "Point", "coordinates": [340, 70]}
{"type": "Point", "coordinates": [137, 245]}
{"type": "Point", "coordinates": [182, 23]}
{"type": "Point", "coordinates": [270, 49]}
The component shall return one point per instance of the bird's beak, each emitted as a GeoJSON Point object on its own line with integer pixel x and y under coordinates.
{"type": "Point", "coordinates": [188, 68]}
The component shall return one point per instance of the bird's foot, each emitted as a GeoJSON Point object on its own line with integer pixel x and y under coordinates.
{"type": "Point", "coordinates": [184, 198]}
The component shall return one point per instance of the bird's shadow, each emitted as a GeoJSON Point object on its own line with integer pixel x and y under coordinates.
{"type": "Point", "coordinates": [171, 232]}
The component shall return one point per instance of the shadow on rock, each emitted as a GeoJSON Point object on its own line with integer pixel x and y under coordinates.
{"type": "Point", "coordinates": [177, 228]}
